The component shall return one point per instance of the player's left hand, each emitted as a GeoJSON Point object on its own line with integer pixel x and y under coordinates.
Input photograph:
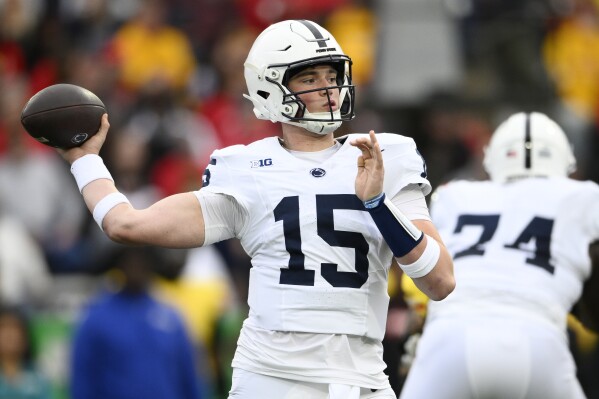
{"type": "Point", "coordinates": [369, 180]}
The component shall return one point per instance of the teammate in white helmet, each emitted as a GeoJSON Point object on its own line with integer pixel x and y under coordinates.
{"type": "Point", "coordinates": [320, 217]}
{"type": "Point", "coordinates": [520, 244]}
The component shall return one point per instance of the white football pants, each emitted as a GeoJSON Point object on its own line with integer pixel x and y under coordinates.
{"type": "Point", "coordinates": [491, 359]}
{"type": "Point", "coordinates": [248, 385]}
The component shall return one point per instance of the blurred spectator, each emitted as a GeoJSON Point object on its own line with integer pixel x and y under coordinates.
{"type": "Point", "coordinates": [355, 26]}
{"type": "Point", "coordinates": [261, 13]}
{"type": "Point", "coordinates": [230, 114]}
{"type": "Point", "coordinates": [467, 133]}
{"type": "Point", "coordinates": [501, 44]}
{"type": "Point", "coordinates": [18, 18]}
{"type": "Point", "coordinates": [418, 52]}
{"type": "Point", "coordinates": [175, 136]}
{"type": "Point", "coordinates": [24, 276]}
{"type": "Point", "coordinates": [129, 160]}
{"type": "Point", "coordinates": [128, 344]}
{"type": "Point", "coordinates": [19, 378]}
{"type": "Point", "coordinates": [444, 149]}
{"type": "Point", "coordinates": [585, 347]}
{"type": "Point", "coordinates": [571, 57]}
{"type": "Point", "coordinates": [204, 22]}
{"type": "Point", "coordinates": [35, 185]}
{"type": "Point", "coordinates": [152, 54]}
{"type": "Point", "coordinates": [12, 24]}
{"type": "Point", "coordinates": [91, 23]}
{"type": "Point", "coordinates": [97, 73]}
{"type": "Point", "coordinates": [204, 292]}
{"type": "Point", "coordinates": [46, 52]}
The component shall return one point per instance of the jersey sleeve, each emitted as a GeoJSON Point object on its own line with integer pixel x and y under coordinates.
{"type": "Point", "coordinates": [412, 203]}
{"type": "Point", "coordinates": [593, 201]}
{"type": "Point", "coordinates": [223, 216]}
{"type": "Point", "coordinates": [586, 198]}
{"type": "Point", "coordinates": [224, 176]}
{"type": "Point", "coordinates": [224, 194]}
{"type": "Point", "coordinates": [403, 164]}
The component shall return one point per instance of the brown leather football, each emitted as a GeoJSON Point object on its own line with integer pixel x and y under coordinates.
{"type": "Point", "coordinates": [63, 115]}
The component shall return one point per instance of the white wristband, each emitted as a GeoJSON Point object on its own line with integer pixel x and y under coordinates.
{"type": "Point", "coordinates": [427, 260]}
{"type": "Point", "coordinates": [88, 168]}
{"type": "Point", "coordinates": [106, 204]}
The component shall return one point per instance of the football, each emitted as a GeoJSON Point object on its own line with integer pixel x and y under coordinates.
{"type": "Point", "coordinates": [63, 115]}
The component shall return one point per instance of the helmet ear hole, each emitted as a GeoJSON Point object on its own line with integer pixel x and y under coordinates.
{"type": "Point", "coordinates": [346, 105]}
{"type": "Point", "coordinates": [263, 94]}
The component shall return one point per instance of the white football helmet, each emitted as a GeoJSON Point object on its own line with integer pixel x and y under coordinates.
{"type": "Point", "coordinates": [528, 145]}
{"type": "Point", "coordinates": [284, 48]}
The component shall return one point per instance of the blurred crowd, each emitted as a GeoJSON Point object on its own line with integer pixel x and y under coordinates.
{"type": "Point", "coordinates": [170, 73]}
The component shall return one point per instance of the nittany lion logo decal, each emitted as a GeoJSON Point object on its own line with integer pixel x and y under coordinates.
{"type": "Point", "coordinates": [318, 172]}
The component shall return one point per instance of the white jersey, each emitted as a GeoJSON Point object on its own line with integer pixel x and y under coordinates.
{"type": "Point", "coordinates": [520, 253]}
{"type": "Point", "coordinates": [319, 263]}
{"type": "Point", "coordinates": [525, 242]}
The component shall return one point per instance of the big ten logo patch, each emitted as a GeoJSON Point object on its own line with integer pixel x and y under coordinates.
{"type": "Point", "coordinates": [261, 162]}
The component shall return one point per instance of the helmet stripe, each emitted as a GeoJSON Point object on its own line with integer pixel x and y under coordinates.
{"type": "Point", "coordinates": [527, 143]}
{"type": "Point", "coordinates": [317, 35]}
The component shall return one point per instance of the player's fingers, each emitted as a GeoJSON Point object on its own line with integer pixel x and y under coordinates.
{"type": "Point", "coordinates": [376, 149]}
{"type": "Point", "coordinates": [358, 143]}
{"type": "Point", "coordinates": [365, 150]}
{"type": "Point", "coordinates": [372, 136]}
{"type": "Point", "coordinates": [361, 161]}
{"type": "Point", "coordinates": [99, 138]}
{"type": "Point", "coordinates": [364, 140]}
{"type": "Point", "coordinates": [104, 126]}
{"type": "Point", "coordinates": [366, 145]}
{"type": "Point", "coordinates": [362, 146]}
{"type": "Point", "coordinates": [374, 143]}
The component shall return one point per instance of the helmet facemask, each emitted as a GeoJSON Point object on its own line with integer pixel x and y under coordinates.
{"type": "Point", "coordinates": [320, 122]}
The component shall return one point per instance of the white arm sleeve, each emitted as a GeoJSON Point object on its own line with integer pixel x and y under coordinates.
{"type": "Point", "coordinates": [223, 216]}
{"type": "Point", "coordinates": [411, 202]}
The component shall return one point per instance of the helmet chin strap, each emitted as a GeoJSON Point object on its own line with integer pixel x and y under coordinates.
{"type": "Point", "coordinates": [322, 127]}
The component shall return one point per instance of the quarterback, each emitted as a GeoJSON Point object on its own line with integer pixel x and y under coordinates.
{"type": "Point", "coordinates": [320, 217]}
{"type": "Point", "coordinates": [520, 242]}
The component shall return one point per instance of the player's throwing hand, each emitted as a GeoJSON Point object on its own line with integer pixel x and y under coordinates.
{"type": "Point", "coordinates": [91, 146]}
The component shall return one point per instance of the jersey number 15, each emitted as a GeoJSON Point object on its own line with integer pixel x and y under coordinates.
{"type": "Point", "coordinates": [287, 210]}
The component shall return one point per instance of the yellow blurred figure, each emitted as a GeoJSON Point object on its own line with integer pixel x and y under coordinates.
{"type": "Point", "coordinates": [150, 52]}
{"type": "Point", "coordinates": [586, 340]}
{"type": "Point", "coordinates": [413, 296]}
{"type": "Point", "coordinates": [203, 292]}
{"type": "Point", "coordinates": [355, 28]}
{"type": "Point", "coordinates": [571, 56]}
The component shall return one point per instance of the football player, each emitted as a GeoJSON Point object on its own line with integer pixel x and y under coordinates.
{"type": "Point", "coordinates": [320, 217]}
{"type": "Point", "coordinates": [520, 244]}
